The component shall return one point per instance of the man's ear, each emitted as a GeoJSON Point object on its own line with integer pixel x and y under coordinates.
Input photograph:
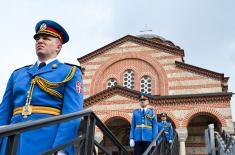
{"type": "Point", "coordinates": [59, 46]}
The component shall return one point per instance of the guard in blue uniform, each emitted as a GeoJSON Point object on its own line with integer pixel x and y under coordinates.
{"type": "Point", "coordinates": [168, 130]}
{"type": "Point", "coordinates": [47, 88]}
{"type": "Point", "coordinates": [143, 127]}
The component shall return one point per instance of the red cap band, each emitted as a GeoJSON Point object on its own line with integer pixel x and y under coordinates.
{"type": "Point", "coordinates": [50, 31]}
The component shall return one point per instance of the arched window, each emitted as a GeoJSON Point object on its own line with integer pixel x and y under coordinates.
{"type": "Point", "coordinates": [111, 82]}
{"type": "Point", "coordinates": [145, 84]}
{"type": "Point", "coordinates": [128, 79]}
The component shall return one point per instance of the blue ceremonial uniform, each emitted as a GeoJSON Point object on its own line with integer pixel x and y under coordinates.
{"type": "Point", "coordinates": [144, 125]}
{"type": "Point", "coordinates": [168, 131]}
{"type": "Point", "coordinates": [37, 141]}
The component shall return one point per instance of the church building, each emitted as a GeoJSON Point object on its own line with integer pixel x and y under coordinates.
{"type": "Point", "coordinates": [192, 97]}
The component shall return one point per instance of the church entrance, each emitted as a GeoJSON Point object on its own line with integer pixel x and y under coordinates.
{"type": "Point", "coordinates": [195, 143]}
{"type": "Point", "coordinates": [120, 127]}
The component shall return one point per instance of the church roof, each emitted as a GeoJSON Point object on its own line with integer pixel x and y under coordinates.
{"type": "Point", "coordinates": [150, 36]}
{"type": "Point", "coordinates": [156, 99]}
{"type": "Point", "coordinates": [157, 39]}
{"type": "Point", "coordinates": [166, 45]}
{"type": "Point", "coordinates": [202, 71]}
{"type": "Point", "coordinates": [205, 72]}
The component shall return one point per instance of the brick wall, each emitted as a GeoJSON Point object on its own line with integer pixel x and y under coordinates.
{"type": "Point", "coordinates": [167, 79]}
{"type": "Point", "coordinates": [159, 65]}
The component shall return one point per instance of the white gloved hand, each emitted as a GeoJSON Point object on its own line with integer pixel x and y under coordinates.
{"type": "Point", "coordinates": [132, 143]}
{"type": "Point", "coordinates": [170, 141]}
{"type": "Point", "coordinates": [154, 144]}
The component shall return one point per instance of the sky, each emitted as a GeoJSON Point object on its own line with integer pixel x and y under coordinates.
{"type": "Point", "coordinates": [205, 29]}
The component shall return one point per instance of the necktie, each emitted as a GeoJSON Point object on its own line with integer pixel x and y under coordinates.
{"type": "Point", "coordinates": [42, 64]}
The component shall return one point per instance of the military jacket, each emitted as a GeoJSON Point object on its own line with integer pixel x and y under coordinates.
{"type": "Point", "coordinates": [168, 131]}
{"type": "Point", "coordinates": [144, 125]}
{"type": "Point", "coordinates": [39, 140]}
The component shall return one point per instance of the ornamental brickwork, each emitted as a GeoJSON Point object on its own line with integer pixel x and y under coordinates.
{"type": "Point", "coordinates": [191, 96]}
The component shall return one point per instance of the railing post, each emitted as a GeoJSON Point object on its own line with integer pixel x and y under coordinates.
{"type": "Point", "coordinates": [89, 131]}
{"type": "Point", "coordinates": [211, 139]}
{"type": "Point", "coordinates": [12, 144]}
{"type": "Point", "coordinates": [85, 132]}
{"type": "Point", "coordinates": [120, 152]}
{"type": "Point", "coordinates": [91, 136]}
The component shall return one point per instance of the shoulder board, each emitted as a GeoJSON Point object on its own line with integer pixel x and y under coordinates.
{"type": "Point", "coordinates": [151, 109]}
{"type": "Point", "coordinates": [22, 67]}
{"type": "Point", "coordinates": [167, 124]}
{"type": "Point", "coordinates": [136, 110]}
{"type": "Point", "coordinates": [73, 65]}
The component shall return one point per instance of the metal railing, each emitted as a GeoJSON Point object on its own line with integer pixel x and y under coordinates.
{"type": "Point", "coordinates": [85, 142]}
{"type": "Point", "coordinates": [154, 144]}
{"type": "Point", "coordinates": [175, 145]}
{"type": "Point", "coordinates": [219, 143]}
{"type": "Point", "coordinates": [225, 143]}
{"type": "Point", "coordinates": [163, 148]}
{"type": "Point", "coordinates": [210, 139]}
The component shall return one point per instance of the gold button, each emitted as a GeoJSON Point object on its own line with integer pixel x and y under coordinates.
{"type": "Point", "coordinates": [54, 66]}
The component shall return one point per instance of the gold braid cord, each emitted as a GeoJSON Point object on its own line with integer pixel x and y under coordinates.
{"type": "Point", "coordinates": [150, 117]}
{"type": "Point", "coordinates": [48, 86]}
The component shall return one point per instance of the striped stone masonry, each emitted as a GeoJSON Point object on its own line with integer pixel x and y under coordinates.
{"type": "Point", "coordinates": [170, 76]}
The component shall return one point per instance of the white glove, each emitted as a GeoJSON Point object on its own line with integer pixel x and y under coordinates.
{"type": "Point", "coordinates": [132, 143]}
{"type": "Point", "coordinates": [170, 141]}
{"type": "Point", "coordinates": [154, 144]}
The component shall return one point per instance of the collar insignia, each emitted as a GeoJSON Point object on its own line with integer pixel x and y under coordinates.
{"type": "Point", "coordinates": [54, 66]}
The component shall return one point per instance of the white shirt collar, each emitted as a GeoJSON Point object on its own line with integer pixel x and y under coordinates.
{"type": "Point", "coordinates": [47, 62]}
{"type": "Point", "coordinates": [145, 109]}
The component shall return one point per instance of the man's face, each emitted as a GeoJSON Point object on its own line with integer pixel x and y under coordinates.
{"type": "Point", "coordinates": [163, 118]}
{"type": "Point", "coordinates": [144, 103]}
{"type": "Point", "coordinates": [47, 47]}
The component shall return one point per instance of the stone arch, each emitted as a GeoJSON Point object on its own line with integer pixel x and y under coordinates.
{"type": "Point", "coordinates": [116, 114]}
{"type": "Point", "coordinates": [146, 67]}
{"type": "Point", "coordinates": [171, 117]}
{"type": "Point", "coordinates": [205, 111]}
{"type": "Point", "coordinates": [120, 127]}
{"type": "Point", "coordinates": [96, 87]}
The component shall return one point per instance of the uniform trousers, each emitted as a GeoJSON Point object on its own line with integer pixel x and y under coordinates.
{"type": "Point", "coordinates": [140, 147]}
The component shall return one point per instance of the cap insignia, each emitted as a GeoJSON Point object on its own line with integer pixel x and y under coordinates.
{"type": "Point", "coordinates": [43, 26]}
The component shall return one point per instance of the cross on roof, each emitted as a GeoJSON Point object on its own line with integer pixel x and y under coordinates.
{"type": "Point", "coordinates": [146, 29]}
